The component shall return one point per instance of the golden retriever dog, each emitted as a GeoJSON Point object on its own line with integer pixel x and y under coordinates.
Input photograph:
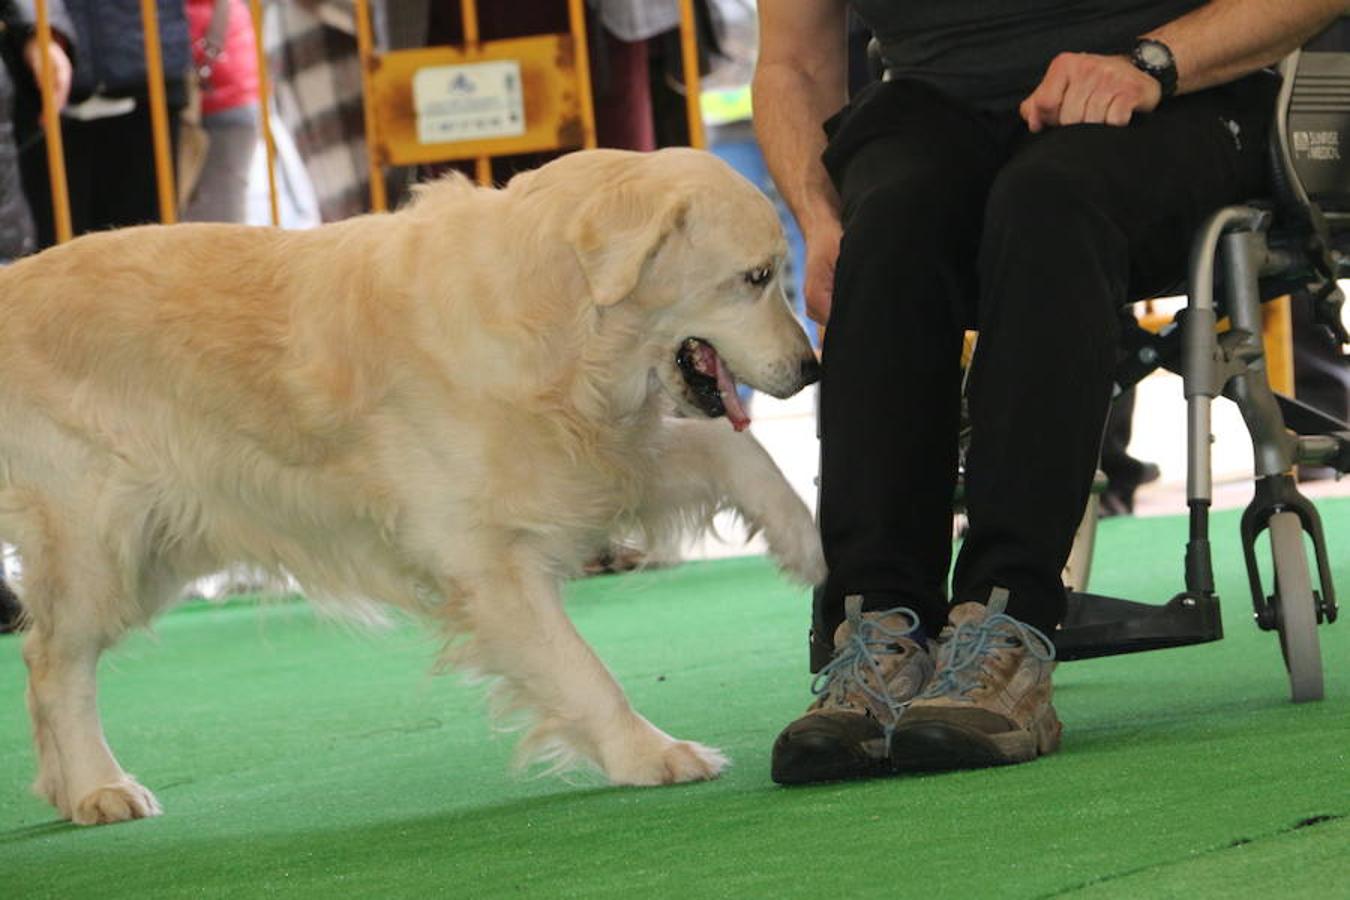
{"type": "Point", "coordinates": [447, 409]}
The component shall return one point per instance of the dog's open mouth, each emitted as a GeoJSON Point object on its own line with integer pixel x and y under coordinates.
{"type": "Point", "coordinates": [712, 387]}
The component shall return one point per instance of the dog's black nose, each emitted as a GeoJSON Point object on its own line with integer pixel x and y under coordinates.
{"type": "Point", "coordinates": [810, 370]}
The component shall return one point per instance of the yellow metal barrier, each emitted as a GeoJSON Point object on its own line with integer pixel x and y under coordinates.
{"type": "Point", "coordinates": [692, 82]}
{"type": "Point", "coordinates": [51, 125]}
{"type": "Point", "coordinates": [555, 88]}
{"type": "Point", "coordinates": [555, 84]}
{"type": "Point", "coordinates": [159, 113]}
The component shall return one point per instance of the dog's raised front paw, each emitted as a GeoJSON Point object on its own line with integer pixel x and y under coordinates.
{"type": "Point", "coordinates": [120, 801]}
{"type": "Point", "coordinates": [798, 551]}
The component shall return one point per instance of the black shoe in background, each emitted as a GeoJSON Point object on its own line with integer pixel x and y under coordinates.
{"type": "Point", "coordinates": [10, 609]}
{"type": "Point", "coordinates": [1118, 498]}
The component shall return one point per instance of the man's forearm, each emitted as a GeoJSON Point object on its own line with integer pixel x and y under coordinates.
{"type": "Point", "coordinates": [1226, 39]}
{"type": "Point", "coordinates": [790, 106]}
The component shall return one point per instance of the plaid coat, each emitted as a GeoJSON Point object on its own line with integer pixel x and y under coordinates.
{"type": "Point", "coordinates": [316, 84]}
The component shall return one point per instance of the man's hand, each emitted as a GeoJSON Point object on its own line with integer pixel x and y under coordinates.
{"type": "Point", "coordinates": [1082, 88]}
{"type": "Point", "coordinates": [822, 252]}
{"type": "Point", "coordinates": [32, 55]}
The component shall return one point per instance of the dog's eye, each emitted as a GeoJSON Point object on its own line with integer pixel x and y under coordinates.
{"type": "Point", "coordinates": [757, 277]}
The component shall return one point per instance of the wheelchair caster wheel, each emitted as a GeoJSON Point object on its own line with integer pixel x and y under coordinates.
{"type": "Point", "coordinates": [1296, 608]}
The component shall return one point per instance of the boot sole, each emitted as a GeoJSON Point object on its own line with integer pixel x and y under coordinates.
{"type": "Point", "coordinates": [803, 760]}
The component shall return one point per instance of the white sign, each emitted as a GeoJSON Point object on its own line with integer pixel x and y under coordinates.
{"type": "Point", "coordinates": [468, 102]}
{"type": "Point", "coordinates": [1324, 146]}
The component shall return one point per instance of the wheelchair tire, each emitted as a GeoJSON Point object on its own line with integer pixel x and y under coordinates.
{"type": "Point", "coordinates": [1295, 608]}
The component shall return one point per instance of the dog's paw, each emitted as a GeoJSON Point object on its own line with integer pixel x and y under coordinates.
{"type": "Point", "coordinates": [120, 801]}
{"type": "Point", "coordinates": [642, 754]}
{"type": "Point", "coordinates": [674, 763]}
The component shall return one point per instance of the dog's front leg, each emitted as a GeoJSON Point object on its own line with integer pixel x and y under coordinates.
{"type": "Point", "coordinates": [521, 633]}
{"type": "Point", "coordinates": [704, 465]}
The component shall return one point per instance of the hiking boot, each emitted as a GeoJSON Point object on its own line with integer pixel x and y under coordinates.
{"type": "Point", "coordinates": [881, 661]}
{"type": "Point", "coordinates": [989, 702]}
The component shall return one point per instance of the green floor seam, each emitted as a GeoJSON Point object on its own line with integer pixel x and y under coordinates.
{"type": "Point", "coordinates": [1160, 865]}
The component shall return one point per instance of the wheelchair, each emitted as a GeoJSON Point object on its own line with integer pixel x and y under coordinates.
{"type": "Point", "coordinates": [1293, 243]}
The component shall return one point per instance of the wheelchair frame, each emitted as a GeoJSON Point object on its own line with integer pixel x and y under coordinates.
{"type": "Point", "coordinates": [1250, 253]}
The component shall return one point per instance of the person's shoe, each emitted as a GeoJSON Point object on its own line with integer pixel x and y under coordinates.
{"type": "Point", "coordinates": [989, 703]}
{"type": "Point", "coordinates": [11, 612]}
{"type": "Point", "coordinates": [881, 661]}
{"type": "Point", "coordinates": [1118, 498]}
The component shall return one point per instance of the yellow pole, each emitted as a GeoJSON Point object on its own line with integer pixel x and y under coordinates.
{"type": "Point", "coordinates": [51, 125]}
{"type": "Point", "coordinates": [365, 49]}
{"type": "Point", "coordinates": [689, 57]}
{"type": "Point", "coordinates": [468, 10]}
{"type": "Point", "coordinates": [1278, 332]}
{"type": "Point", "coordinates": [159, 113]}
{"type": "Point", "coordinates": [576, 11]}
{"type": "Point", "coordinates": [264, 104]}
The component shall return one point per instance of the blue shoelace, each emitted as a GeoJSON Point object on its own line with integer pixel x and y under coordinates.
{"type": "Point", "coordinates": [858, 656]}
{"type": "Point", "coordinates": [961, 657]}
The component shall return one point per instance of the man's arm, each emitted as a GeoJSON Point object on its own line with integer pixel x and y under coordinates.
{"type": "Point", "coordinates": [1216, 43]}
{"type": "Point", "coordinates": [1226, 39]}
{"type": "Point", "coordinates": [800, 81]}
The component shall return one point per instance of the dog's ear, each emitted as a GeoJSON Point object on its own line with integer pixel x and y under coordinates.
{"type": "Point", "coordinates": [617, 232]}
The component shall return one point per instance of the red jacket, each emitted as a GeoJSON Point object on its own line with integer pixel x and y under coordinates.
{"type": "Point", "coordinates": [234, 76]}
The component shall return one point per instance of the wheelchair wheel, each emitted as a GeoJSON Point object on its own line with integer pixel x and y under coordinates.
{"type": "Point", "coordinates": [1295, 608]}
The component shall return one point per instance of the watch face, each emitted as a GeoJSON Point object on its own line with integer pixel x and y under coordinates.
{"type": "Point", "coordinates": [1153, 56]}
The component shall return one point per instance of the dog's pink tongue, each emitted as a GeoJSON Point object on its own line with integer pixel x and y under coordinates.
{"type": "Point", "coordinates": [730, 399]}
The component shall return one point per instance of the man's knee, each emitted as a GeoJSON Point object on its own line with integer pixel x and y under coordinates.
{"type": "Point", "coordinates": [1047, 222]}
{"type": "Point", "coordinates": [911, 209]}
{"type": "Point", "coordinates": [1044, 201]}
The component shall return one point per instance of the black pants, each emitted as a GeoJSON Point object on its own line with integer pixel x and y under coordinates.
{"type": "Point", "coordinates": [110, 172]}
{"type": "Point", "coordinates": [956, 218]}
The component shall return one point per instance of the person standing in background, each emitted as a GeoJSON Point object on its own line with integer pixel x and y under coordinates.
{"type": "Point", "coordinates": [109, 150]}
{"type": "Point", "coordinates": [225, 57]}
{"type": "Point", "coordinates": [23, 56]}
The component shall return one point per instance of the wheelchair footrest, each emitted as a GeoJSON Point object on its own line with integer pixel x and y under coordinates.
{"type": "Point", "coordinates": [1106, 626]}
{"type": "Point", "coordinates": [1305, 419]}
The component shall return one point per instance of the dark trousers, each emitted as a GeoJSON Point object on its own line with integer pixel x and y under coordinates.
{"type": "Point", "coordinates": [954, 219]}
{"type": "Point", "coordinates": [110, 173]}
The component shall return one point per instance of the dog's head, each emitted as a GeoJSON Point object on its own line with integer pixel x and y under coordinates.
{"type": "Point", "coordinates": [692, 250]}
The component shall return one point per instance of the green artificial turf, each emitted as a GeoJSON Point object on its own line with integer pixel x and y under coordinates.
{"type": "Point", "coordinates": [296, 757]}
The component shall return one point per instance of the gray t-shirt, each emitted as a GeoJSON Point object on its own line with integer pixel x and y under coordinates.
{"type": "Point", "coordinates": [993, 54]}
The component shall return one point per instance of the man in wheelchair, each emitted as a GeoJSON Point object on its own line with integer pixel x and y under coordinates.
{"type": "Point", "coordinates": [1025, 170]}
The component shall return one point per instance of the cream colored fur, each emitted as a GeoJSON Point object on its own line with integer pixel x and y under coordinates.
{"type": "Point", "coordinates": [444, 409]}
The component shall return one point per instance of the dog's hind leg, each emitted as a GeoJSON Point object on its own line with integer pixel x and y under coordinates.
{"type": "Point", "coordinates": [704, 466]}
{"type": "Point", "coordinates": [75, 615]}
{"type": "Point", "coordinates": [521, 633]}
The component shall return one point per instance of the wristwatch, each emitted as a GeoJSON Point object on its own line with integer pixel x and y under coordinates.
{"type": "Point", "coordinates": [1155, 58]}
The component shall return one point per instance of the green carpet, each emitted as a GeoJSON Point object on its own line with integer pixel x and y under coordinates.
{"type": "Point", "coordinates": [295, 757]}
